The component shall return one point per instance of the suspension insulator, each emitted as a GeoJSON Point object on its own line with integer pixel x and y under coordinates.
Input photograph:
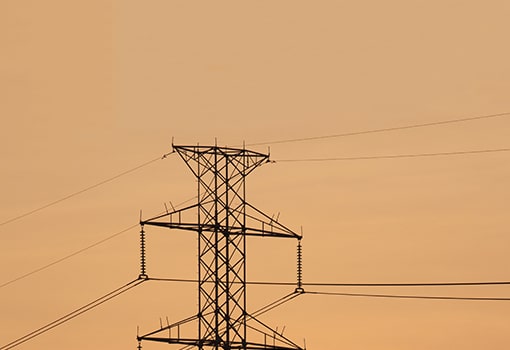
{"type": "Point", "coordinates": [143, 273]}
{"type": "Point", "coordinates": [299, 288]}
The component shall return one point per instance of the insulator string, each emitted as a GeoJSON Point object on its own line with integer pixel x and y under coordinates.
{"type": "Point", "coordinates": [143, 273]}
{"type": "Point", "coordinates": [299, 267]}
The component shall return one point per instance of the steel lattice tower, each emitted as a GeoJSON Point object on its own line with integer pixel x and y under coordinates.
{"type": "Point", "coordinates": [223, 219]}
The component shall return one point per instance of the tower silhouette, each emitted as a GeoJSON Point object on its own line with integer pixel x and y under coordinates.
{"type": "Point", "coordinates": [222, 219]}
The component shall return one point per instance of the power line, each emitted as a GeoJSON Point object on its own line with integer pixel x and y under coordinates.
{"type": "Point", "coordinates": [450, 121]}
{"type": "Point", "coordinates": [73, 314]}
{"type": "Point", "coordinates": [395, 156]}
{"type": "Point", "coordinates": [395, 296]}
{"type": "Point", "coordinates": [373, 131]}
{"type": "Point", "coordinates": [430, 284]}
{"type": "Point", "coordinates": [74, 194]}
{"type": "Point", "coordinates": [97, 302]}
{"type": "Point", "coordinates": [269, 306]}
{"type": "Point", "coordinates": [82, 250]}
{"type": "Point", "coordinates": [332, 284]}
{"type": "Point", "coordinates": [185, 280]}
{"type": "Point", "coordinates": [44, 267]}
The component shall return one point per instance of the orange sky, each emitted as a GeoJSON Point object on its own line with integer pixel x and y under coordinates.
{"type": "Point", "coordinates": [91, 88]}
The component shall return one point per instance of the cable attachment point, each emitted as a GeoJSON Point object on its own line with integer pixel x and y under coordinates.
{"type": "Point", "coordinates": [143, 274]}
{"type": "Point", "coordinates": [299, 288]}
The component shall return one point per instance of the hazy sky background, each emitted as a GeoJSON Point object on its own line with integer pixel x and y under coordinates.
{"type": "Point", "coordinates": [89, 89]}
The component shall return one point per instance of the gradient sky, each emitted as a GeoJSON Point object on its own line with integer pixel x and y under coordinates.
{"type": "Point", "coordinates": [89, 89]}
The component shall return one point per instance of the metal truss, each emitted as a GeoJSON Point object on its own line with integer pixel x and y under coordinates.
{"type": "Point", "coordinates": [223, 219]}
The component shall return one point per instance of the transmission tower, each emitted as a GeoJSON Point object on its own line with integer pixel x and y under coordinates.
{"type": "Point", "coordinates": [223, 219]}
